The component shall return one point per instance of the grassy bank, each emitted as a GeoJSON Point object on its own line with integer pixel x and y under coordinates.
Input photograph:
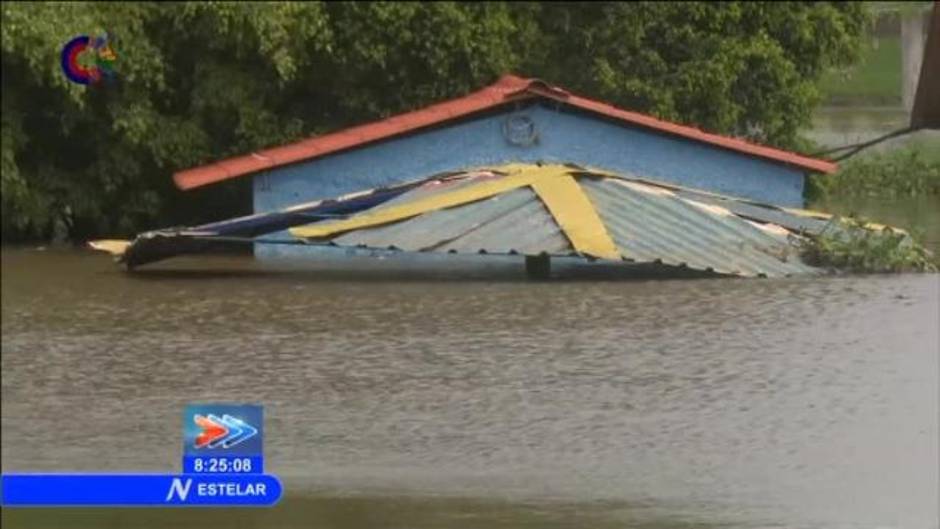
{"type": "Point", "coordinates": [874, 81]}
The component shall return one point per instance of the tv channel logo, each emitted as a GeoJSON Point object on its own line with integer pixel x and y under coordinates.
{"type": "Point", "coordinates": [223, 430]}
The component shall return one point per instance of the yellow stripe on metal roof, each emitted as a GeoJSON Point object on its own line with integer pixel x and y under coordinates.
{"type": "Point", "coordinates": [464, 195]}
{"type": "Point", "coordinates": [575, 214]}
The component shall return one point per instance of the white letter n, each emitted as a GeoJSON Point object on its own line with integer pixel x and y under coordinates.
{"type": "Point", "coordinates": [181, 490]}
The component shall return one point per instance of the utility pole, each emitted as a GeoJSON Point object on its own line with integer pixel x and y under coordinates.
{"type": "Point", "coordinates": [913, 39]}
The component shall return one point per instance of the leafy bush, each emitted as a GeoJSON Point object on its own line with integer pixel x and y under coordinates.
{"type": "Point", "coordinates": [904, 172]}
{"type": "Point", "coordinates": [854, 245]}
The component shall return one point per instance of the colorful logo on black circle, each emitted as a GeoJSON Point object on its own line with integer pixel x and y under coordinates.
{"type": "Point", "coordinates": [87, 60]}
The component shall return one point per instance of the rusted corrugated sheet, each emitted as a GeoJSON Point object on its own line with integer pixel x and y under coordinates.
{"type": "Point", "coordinates": [507, 89]}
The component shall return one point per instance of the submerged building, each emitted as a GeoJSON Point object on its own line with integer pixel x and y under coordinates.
{"type": "Point", "coordinates": [514, 120]}
{"type": "Point", "coordinates": [541, 211]}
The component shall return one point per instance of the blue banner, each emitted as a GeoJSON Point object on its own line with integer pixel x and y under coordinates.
{"type": "Point", "coordinates": [119, 490]}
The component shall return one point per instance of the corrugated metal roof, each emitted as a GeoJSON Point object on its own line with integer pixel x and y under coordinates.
{"type": "Point", "coordinates": [439, 185]}
{"type": "Point", "coordinates": [507, 89]}
{"type": "Point", "coordinates": [796, 220]}
{"type": "Point", "coordinates": [651, 224]}
{"type": "Point", "coordinates": [513, 222]}
{"type": "Point", "coordinates": [791, 219]}
{"type": "Point", "coordinates": [646, 223]}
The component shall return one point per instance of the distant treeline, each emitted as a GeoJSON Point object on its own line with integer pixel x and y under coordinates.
{"type": "Point", "coordinates": [200, 81]}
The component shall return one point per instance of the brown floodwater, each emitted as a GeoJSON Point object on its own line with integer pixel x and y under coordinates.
{"type": "Point", "coordinates": [440, 401]}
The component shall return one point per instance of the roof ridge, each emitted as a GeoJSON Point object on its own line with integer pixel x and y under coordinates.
{"type": "Point", "coordinates": [507, 88]}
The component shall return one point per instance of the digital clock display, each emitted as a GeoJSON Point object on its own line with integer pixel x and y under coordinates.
{"type": "Point", "coordinates": [223, 439]}
{"type": "Point", "coordinates": [222, 465]}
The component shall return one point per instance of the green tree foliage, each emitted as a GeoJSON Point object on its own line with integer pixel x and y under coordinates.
{"type": "Point", "coordinates": [743, 68]}
{"type": "Point", "coordinates": [201, 81]}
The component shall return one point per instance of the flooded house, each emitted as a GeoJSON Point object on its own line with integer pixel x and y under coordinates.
{"type": "Point", "coordinates": [514, 120]}
{"type": "Point", "coordinates": [518, 168]}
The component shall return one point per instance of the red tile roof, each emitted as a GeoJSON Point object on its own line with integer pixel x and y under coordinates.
{"type": "Point", "coordinates": [507, 89]}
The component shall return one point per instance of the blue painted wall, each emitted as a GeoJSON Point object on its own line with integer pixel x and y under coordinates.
{"type": "Point", "coordinates": [562, 136]}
